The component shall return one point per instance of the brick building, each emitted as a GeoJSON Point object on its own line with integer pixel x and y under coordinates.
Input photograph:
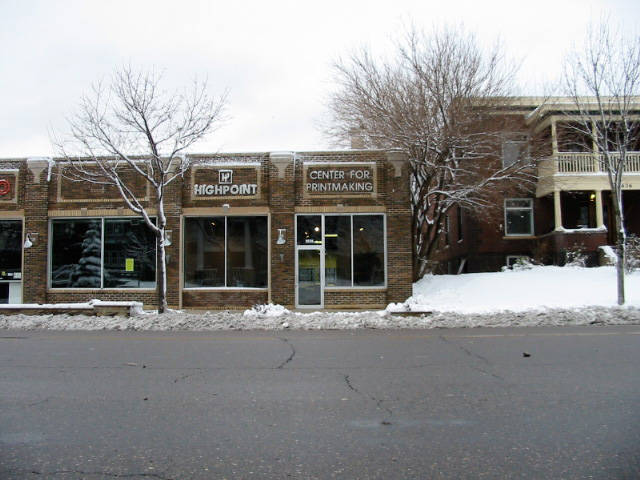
{"type": "Point", "coordinates": [304, 230]}
{"type": "Point", "coordinates": [568, 208]}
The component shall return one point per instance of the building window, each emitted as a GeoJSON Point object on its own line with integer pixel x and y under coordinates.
{"type": "Point", "coordinates": [102, 253]}
{"type": "Point", "coordinates": [226, 252]}
{"type": "Point", "coordinates": [338, 246]}
{"type": "Point", "coordinates": [11, 249]}
{"type": "Point", "coordinates": [518, 217]}
{"type": "Point", "coordinates": [354, 247]}
{"type": "Point", "coordinates": [515, 148]}
{"type": "Point", "coordinates": [368, 251]}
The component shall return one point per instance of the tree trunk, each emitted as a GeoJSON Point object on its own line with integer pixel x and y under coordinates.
{"type": "Point", "coordinates": [161, 275]}
{"type": "Point", "coordinates": [620, 247]}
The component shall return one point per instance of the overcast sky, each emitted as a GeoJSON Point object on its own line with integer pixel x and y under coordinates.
{"type": "Point", "coordinates": [274, 56]}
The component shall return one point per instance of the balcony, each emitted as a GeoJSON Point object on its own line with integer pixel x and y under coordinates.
{"type": "Point", "coordinates": [583, 171]}
{"type": "Point", "coordinates": [581, 163]}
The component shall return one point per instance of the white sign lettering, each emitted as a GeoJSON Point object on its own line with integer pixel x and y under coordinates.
{"type": "Point", "coordinates": [340, 181]}
{"type": "Point", "coordinates": [224, 190]}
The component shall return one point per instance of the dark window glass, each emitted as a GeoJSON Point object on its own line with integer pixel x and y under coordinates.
{"type": "Point", "coordinates": [247, 252]}
{"type": "Point", "coordinates": [338, 250]}
{"type": "Point", "coordinates": [129, 254]}
{"type": "Point", "coordinates": [10, 249]}
{"type": "Point", "coordinates": [226, 252]}
{"type": "Point", "coordinates": [204, 245]}
{"type": "Point", "coordinates": [309, 230]}
{"type": "Point", "coordinates": [76, 253]}
{"type": "Point", "coordinates": [368, 250]}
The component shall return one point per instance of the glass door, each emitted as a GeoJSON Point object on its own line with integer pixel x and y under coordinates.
{"type": "Point", "coordinates": [309, 292]}
{"type": "Point", "coordinates": [309, 262]}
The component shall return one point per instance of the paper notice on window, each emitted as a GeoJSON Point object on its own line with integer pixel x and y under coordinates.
{"type": "Point", "coordinates": [129, 265]}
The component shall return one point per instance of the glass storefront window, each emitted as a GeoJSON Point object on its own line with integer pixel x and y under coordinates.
{"type": "Point", "coordinates": [80, 258]}
{"type": "Point", "coordinates": [76, 253]}
{"type": "Point", "coordinates": [11, 249]}
{"type": "Point", "coordinates": [129, 254]}
{"type": "Point", "coordinates": [226, 252]}
{"type": "Point", "coordinates": [354, 247]}
{"type": "Point", "coordinates": [368, 250]}
{"type": "Point", "coordinates": [309, 229]}
{"type": "Point", "coordinates": [337, 250]}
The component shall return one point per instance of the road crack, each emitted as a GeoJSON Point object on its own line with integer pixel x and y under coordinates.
{"type": "Point", "coordinates": [476, 356]}
{"type": "Point", "coordinates": [379, 402]}
{"type": "Point", "coordinates": [293, 354]}
{"type": "Point", "coordinates": [102, 474]}
{"type": "Point", "coordinates": [198, 371]}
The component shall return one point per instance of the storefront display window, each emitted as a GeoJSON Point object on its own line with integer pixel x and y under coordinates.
{"type": "Point", "coordinates": [10, 249]}
{"type": "Point", "coordinates": [368, 250]}
{"type": "Point", "coordinates": [354, 247]}
{"type": "Point", "coordinates": [226, 252]}
{"type": "Point", "coordinates": [338, 250]}
{"type": "Point", "coordinates": [102, 253]}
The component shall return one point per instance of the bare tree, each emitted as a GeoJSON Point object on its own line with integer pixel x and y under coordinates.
{"type": "Point", "coordinates": [134, 133]}
{"type": "Point", "coordinates": [436, 100]}
{"type": "Point", "coordinates": [602, 79]}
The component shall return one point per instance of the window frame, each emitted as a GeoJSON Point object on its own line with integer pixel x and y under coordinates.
{"type": "Point", "coordinates": [183, 262]}
{"type": "Point", "coordinates": [11, 277]}
{"type": "Point", "coordinates": [102, 220]}
{"type": "Point", "coordinates": [508, 209]}
{"type": "Point", "coordinates": [322, 246]}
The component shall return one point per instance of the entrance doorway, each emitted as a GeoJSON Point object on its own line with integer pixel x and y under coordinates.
{"type": "Point", "coordinates": [309, 261]}
{"type": "Point", "coordinates": [310, 279]}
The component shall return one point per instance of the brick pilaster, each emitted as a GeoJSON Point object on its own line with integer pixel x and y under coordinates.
{"type": "Point", "coordinates": [282, 205]}
{"type": "Point", "coordinates": [34, 279]}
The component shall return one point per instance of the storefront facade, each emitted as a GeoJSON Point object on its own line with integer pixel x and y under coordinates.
{"type": "Point", "coordinates": [304, 230]}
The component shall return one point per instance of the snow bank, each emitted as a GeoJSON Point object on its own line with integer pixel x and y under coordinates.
{"type": "Point", "coordinates": [534, 297]}
{"type": "Point", "coordinates": [521, 290]}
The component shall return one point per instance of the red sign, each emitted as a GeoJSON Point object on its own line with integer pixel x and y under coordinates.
{"type": "Point", "coordinates": [5, 186]}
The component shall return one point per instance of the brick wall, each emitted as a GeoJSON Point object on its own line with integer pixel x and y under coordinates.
{"type": "Point", "coordinates": [280, 195]}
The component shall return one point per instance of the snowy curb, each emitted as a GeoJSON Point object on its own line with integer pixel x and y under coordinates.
{"type": "Point", "coordinates": [216, 321]}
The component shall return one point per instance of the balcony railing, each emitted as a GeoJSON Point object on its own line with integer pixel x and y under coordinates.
{"type": "Point", "coordinates": [581, 163]}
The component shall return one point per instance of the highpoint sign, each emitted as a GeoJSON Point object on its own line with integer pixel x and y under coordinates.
{"type": "Point", "coordinates": [225, 187]}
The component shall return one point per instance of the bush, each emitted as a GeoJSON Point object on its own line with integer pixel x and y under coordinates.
{"type": "Point", "coordinates": [632, 261]}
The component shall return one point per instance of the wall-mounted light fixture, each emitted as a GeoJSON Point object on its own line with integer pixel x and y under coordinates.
{"type": "Point", "coordinates": [167, 238]}
{"type": "Point", "coordinates": [30, 239]}
{"type": "Point", "coordinates": [281, 239]}
{"type": "Point", "coordinates": [226, 207]}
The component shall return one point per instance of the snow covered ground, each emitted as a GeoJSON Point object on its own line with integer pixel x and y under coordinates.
{"type": "Point", "coordinates": [528, 297]}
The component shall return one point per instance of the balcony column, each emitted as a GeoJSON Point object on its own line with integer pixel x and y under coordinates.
{"type": "Point", "coordinates": [557, 210]}
{"type": "Point", "coordinates": [599, 215]}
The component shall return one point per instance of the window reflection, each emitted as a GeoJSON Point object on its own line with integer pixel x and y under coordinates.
{"type": "Point", "coordinates": [226, 252]}
{"type": "Point", "coordinates": [368, 250]}
{"type": "Point", "coordinates": [78, 253]}
{"type": "Point", "coordinates": [338, 250]}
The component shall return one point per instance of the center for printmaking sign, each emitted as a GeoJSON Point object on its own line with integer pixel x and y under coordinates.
{"type": "Point", "coordinates": [339, 180]}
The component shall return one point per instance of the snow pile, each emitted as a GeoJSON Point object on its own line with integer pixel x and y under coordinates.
{"type": "Point", "coordinates": [526, 297]}
{"type": "Point", "coordinates": [521, 290]}
{"type": "Point", "coordinates": [269, 310]}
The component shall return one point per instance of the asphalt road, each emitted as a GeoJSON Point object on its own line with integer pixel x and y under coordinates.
{"type": "Point", "coordinates": [423, 404]}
